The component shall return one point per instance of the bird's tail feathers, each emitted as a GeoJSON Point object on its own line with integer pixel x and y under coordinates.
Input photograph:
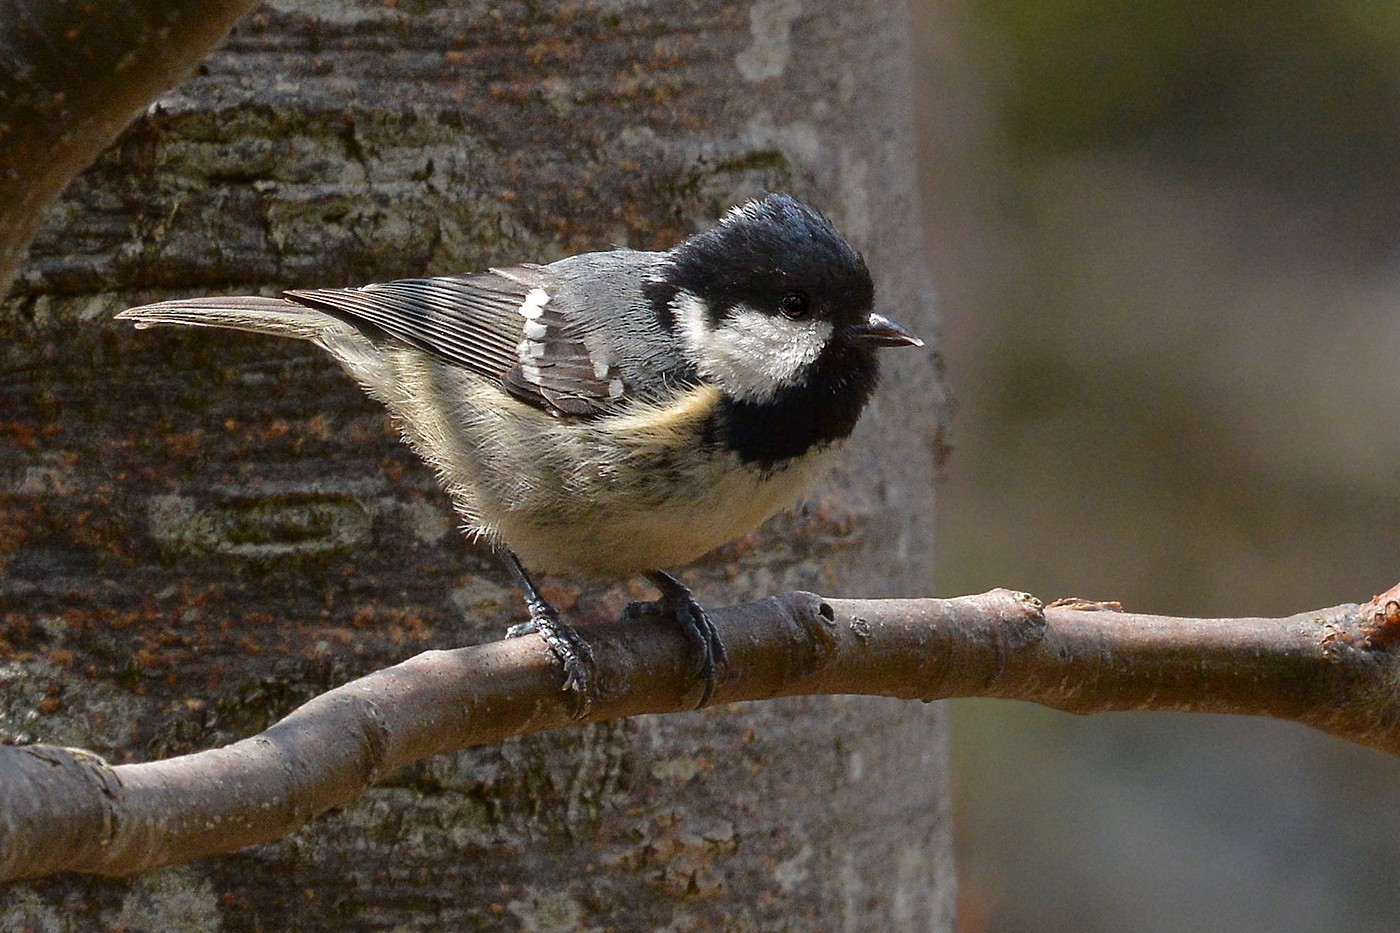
{"type": "Point", "coordinates": [251, 313]}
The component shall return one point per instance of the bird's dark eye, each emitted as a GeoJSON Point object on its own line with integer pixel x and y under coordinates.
{"type": "Point", "coordinates": [795, 306]}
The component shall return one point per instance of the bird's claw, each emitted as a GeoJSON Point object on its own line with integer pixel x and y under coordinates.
{"type": "Point", "coordinates": [678, 603]}
{"type": "Point", "coordinates": [702, 633]}
{"type": "Point", "coordinates": [521, 629]}
{"type": "Point", "coordinates": [574, 654]}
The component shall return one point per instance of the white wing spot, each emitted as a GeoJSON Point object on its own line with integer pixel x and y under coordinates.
{"type": "Point", "coordinates": [534, 304]}
{"type": "Point", "coordinates": [534, 329]}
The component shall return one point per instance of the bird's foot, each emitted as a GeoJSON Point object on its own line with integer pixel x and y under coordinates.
{"type": "Point", "coordinates": [678, 603]}
{"type": "Point", "coordinates": [565, 643]}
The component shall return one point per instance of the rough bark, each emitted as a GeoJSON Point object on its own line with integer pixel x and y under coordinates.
{"type": "Point", "coordinates": [198, 531]}
{"type": "Point", "coordinates": [72, 74]}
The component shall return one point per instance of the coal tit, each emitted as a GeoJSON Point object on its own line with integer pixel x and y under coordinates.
{"type": "Point", "coordinates": [615, 412]}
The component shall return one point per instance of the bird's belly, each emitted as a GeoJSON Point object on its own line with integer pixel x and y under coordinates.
{"type": "Point", "coordinates": [639, 491]}
{"type": "Point", "coordinates": [723, 501]}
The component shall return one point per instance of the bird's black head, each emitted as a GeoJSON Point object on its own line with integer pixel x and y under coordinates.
{"type": "Point", "coordinates": [775, 256]}
{"type": "Point", "coordinates": [776, 309]}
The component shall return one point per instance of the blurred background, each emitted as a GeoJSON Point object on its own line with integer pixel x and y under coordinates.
{"type": "Point", "coordinates": [1166, 238]}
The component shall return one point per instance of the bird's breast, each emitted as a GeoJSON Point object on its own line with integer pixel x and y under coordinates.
{"type": "Point", "coordinates": [654, 488]}
{"type": "Point", "coordinates": [710, 502]}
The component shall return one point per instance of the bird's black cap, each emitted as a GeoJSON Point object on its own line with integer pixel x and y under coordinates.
{"type": "Point", "coordinates": [768, 248]}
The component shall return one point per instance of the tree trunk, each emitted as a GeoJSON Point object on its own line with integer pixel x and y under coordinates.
{"type": "Point", "coordinates": [200, 529]}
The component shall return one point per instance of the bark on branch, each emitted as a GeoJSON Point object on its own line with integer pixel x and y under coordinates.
{"type": "Point", "coordinates": [72, 74]}
{"type": "Point", "coordinates": [66, 810]}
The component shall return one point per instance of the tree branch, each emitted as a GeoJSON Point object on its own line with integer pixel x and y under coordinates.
{"type": "Point", "coordinates": [72, 75]}
{"type": "Point", "coordinates": [66, 810]}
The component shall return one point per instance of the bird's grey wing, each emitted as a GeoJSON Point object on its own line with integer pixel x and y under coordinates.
{"type": "Point", "coordinates": [499, 324]}
{"type": "Point", "coordinates": [472, 321]}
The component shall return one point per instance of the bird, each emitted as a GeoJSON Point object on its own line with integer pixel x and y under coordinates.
{"type": "Point", "coordinates": [611, 413]}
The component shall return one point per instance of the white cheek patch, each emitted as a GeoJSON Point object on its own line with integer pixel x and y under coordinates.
{"type": "Point", "coordinates": [750, 354]}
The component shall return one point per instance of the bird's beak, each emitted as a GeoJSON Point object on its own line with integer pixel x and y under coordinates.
{"type": "Point", "coordinates": [879, 331]}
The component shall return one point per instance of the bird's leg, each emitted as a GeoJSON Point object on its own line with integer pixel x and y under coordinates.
{"type": "Point", "coordinates": [574, 654]}
{"type": "Point", "coordinates": [677, 602]}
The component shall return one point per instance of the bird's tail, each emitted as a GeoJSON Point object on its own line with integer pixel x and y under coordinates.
{"type": "Point", "coordinates": [251, 313]}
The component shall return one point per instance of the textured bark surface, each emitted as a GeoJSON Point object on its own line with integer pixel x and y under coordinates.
{"type": "Point", "coordinates": [72, 74]}
{"type": "Point", "coordinates": [165, 496]}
